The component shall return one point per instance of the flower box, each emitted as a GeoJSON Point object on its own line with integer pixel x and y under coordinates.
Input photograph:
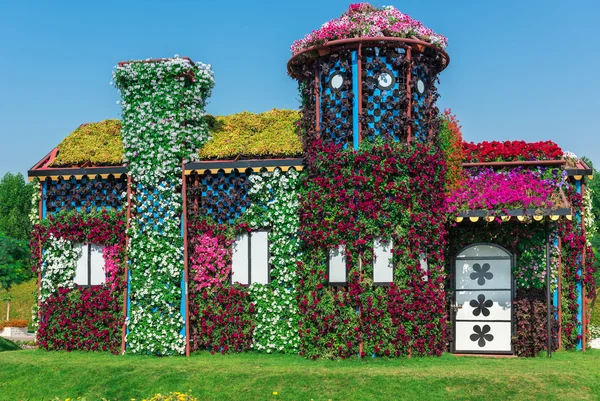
{"type": "Point", "coordinates": [14, 332]}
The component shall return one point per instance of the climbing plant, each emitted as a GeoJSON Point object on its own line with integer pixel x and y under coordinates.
{"type": "Point", "coordinates": [163, 109]}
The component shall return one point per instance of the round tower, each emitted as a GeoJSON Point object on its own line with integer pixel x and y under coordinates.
{"type": "Point", "coordinates": [369, 74]}
{"type": "Point", "coordinates": [372, 211]}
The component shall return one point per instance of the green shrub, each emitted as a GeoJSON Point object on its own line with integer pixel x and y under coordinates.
{"type": "Point", "coordinates": [7, 345]}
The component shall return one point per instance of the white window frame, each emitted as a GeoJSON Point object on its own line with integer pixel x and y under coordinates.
{"type": "Point", "coordinates": [337, 262]}
{"type": "Point", "coordinates": [424, 265]}
{"type": "Point", "coordinates": [249, 262]}
{"type": "Point", "coordinates": [89, 267]}
{"type": "Point", "coordinates": [383, 255]}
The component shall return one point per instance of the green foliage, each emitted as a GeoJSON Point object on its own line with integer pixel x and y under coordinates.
{"type": "Point", "coordinates": [14, 257]}
{"type": "Point", "coordinates": [273, 133]}
{"type": "Point", "coordinates": [97, 143]}
{"type": "Point", "coordinates": [7, 345]}
{"type": "Point", "coordinates": [450, 143]}
{"type": "Point", "coordinates": [15, 204]}
{"type": "Point", "coordinates": [594, 187]}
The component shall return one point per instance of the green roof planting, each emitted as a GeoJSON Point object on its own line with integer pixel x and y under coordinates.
{"type": "Point", "coordinates": [96, 143]}
{"type": "Point", "coordinates": [244, 135]}
{"type": "Point", "coordinates": [270, 134]}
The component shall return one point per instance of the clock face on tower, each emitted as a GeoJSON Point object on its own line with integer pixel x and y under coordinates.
{"type": "Point", "coordinates": [420, 87]}
{"type": "Point", "coordinates": [385, 80]}
{"type": "Point", "coordinates": [336, 81]}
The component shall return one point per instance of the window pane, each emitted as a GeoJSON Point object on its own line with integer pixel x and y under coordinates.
{"type": "Point", "coordinates": [383, 269]}
{"type": "Point", "coordinates": [424, 266]}
{"type": "Point", "coordinates": [337, 265]}
{"type": "Point", "coordinates": [259, 244]}
{"type": "Point", "coordinates": [239, 260]}
{"type": "Point", "coordinates": [81, 272]}
{"type": "Point", "coordinates": [98, 276]}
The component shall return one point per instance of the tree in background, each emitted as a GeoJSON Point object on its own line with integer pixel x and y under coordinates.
{"type": "Point", "coordinates": [14, 266]}
{"type": "Point", "coordinates": [15, 228]}
{"type": "Point", "coordinates": [15, 203]}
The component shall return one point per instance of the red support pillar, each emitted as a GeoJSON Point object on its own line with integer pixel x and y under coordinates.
{"type": "Point", "coordinates": [559, 289]}
{"type": "Point", "coordinates": [409, 93]}
{"type": "Point", "coordinates": [317, 103]}
{"type": "Point", "coordinates": [39, 275]}
{"type": "Point", "coordinates": [185, 260]}
{"type": "Point", "coordinates": [583, 296]}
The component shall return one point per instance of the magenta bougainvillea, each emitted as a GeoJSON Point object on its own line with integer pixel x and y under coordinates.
{"type": "Point", "coordinates": [489, 189]}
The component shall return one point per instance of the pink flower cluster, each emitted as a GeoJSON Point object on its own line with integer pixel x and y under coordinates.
{"type": "Point", "coordinates": [499, 190]}
{"type": "Point", "coordinates": [211, 262]}
{"type": "Point", "coordinates": [364, 20]}
{"type": "Point", "coordinates": [112, 265]}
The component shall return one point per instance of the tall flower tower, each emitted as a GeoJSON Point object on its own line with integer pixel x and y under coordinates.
{"type": "Point", "coordinates": [163, 105]}
{"type": "Point", "coordinates": [372, 218]}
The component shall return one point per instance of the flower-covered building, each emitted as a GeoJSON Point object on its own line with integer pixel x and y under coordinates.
{"type": "Point", "coordinates": [361, 225]}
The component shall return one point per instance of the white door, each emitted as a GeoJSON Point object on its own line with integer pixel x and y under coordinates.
{"type": "Point", "coordinates": [483, 300]}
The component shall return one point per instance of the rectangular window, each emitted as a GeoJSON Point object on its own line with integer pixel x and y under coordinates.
{"type": "Point", "coordinates": [336, 266]}
{"type": "Point", "coordinates": [383, 268]}
{"type": "Point", "coordinates": [424, 266]}
{"type": "Point", "coordinates": [90, 265]}
{"type": "Point", "coordinates": [250, 259]}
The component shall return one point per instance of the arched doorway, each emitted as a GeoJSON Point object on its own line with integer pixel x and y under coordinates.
{"type": "Point", "coordinates": [483, 297]}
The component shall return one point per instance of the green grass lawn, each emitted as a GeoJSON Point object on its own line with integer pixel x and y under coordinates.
{"type": "Point", "coordinates": [23, 301]}
{"type": "Point", "coordinates": [41, 375]}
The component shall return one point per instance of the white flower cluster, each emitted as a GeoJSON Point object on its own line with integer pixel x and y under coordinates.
{"type": "Point", "coordinates": [59, 262]}
{"type": "Point", "coordinates": [34, 213]}
{"type": "Point", "coordinates": [590, 222]}
{"type": "Point", "coordinates": [275, 204]}
{"type": "Point", "coordinates": [163, 109]}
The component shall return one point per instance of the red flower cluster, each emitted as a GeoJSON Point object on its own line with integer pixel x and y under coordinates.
{"type": "Point", "coordinates": [88, 319]}
{"type": "Point", "coordinates": [83, 318]}
{"type": "Point", "coordinates": [511, 151]}
{"type": "Point", "coordinates": [573, 245]}
{"type": "Point", "coordinates": [352, 198]}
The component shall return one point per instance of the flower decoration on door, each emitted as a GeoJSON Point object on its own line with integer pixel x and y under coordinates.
{"type": "Point", "coordinates": [481, 305]}
{"type": "Point", "coordinates": [481, 335]}
{"type": "Point", "coordinates": [481, 273]}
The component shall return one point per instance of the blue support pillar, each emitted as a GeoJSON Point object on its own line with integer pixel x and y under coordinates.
{"type": "Point", "coordinates": [555, 299]}
{"type": "Point", "coordinates": [355, 100]}
{"type": "Point", "coordinates": [44, 189]}
{"type": "Point", "coordinates": [128, 298]}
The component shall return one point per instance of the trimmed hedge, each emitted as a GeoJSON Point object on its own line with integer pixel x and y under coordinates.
{"type": "Point", "coordinates": [270, 134]}
{"type": "Point", "coordinates": [97, 143]}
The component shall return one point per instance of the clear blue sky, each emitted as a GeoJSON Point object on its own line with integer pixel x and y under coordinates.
{"type": "Point", "coordinates": [519, 69]}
